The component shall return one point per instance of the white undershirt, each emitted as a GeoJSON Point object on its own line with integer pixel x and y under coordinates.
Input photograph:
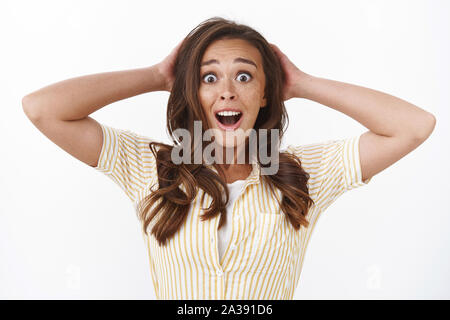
{"type": "Point", "coordinates": [224, 232]}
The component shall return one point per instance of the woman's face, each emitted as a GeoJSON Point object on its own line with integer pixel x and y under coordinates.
{"type": "Point", "coordinates": [231, 91]}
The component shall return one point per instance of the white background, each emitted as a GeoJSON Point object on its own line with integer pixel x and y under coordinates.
{"type": "Point", "coordinates": [68, 232]}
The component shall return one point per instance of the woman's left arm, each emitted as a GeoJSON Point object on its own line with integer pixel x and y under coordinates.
{"type": "Point", "coordinates": [396, 127]}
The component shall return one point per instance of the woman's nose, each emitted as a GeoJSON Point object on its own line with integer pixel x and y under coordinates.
{"type": "Point", "coordinates": [227, 95]}
{"type": "Point", "coordinates": [227, 91]}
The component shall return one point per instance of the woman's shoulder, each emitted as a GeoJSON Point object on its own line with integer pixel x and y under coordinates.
{"type": "Point", "coordinates": [309, 149]}
{"type": "Point", "coordinates": [337, 160]}
{"type": "Point", "coordinates": [130, 137]}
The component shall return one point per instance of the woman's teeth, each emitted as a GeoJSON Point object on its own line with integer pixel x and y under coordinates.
{"type": "Point", "coordinates": [228, 113]}
{"type": "Point", "coordinates": [228, 117]}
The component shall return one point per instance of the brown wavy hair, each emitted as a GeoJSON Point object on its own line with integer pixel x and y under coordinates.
{"type": "Point", "coordinates": [179, 184]}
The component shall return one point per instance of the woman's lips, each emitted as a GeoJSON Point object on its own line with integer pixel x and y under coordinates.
{"type": "Point", "coordinates": [230, 127]}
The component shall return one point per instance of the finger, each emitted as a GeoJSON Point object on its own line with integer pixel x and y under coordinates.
{"type": "Point", "coordinates": [175, 50]}
{"type": "Point", "coordinates": [274, 47]}
{"type": "Point", "coordinates": [277, 51]}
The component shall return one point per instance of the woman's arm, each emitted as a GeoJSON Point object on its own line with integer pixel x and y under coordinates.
{"type": "Point", "coordinates": [61, 111]}
{"type": "Point", "coordinates": [76, 98]}
{"type": "Point", "coordinates": [396, 126]}
{"type": "Point", "coordinates": [380, 112]}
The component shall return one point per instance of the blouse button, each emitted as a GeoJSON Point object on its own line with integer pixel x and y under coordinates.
{"type": "Point", "coordinates": [219, 273]}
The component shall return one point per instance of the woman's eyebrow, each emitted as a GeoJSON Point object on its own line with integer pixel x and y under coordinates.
{"type": "Point", "coordinates": [242, 60]}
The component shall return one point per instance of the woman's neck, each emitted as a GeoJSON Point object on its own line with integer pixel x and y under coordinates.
{"type": "Point", "coordinates": [234, 172]}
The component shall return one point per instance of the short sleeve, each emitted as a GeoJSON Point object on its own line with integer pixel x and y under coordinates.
{"type": "Point", "coordinates": [334, 168]}
{"type": "Point", "coordinates": [126, 158]}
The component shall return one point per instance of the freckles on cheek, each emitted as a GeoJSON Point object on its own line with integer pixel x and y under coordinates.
{"type": "Point", "coordinates": [206, 98]}
{"type": "Point", "coordinates": [254, 96]}
{"type": "Point", "coordinates": [206, 106]}
{"type": "Point", "coordinates": [201, 95]}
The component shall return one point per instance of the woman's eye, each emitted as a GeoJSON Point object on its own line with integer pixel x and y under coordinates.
{"type": "Point", "coordinates": [209, 78]}
{"type": "Point", "coordinates": [244, 77]}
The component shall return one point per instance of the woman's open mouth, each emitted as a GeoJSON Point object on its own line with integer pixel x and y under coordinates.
{"type": "Point", "coordinates": [229, 120]}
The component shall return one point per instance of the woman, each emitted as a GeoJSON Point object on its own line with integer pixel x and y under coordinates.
{"type": "Point", "coordinates": [225, 230]}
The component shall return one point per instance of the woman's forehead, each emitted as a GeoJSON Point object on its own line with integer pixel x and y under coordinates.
{"type": "Point", "coordinates": [230, 50]}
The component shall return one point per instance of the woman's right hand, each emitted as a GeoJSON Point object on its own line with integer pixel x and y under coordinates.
{"type": "Point", "coordinates": [166, 67]}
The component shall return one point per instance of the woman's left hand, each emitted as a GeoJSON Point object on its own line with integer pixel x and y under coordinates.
{"type": "Point", "coordinates": [294, 76]}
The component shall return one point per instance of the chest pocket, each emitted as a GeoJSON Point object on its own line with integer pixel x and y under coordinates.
{"type": "Point", "coordinates": [272, 227]}
{"type": "Point", "coordinates": [275, 242]}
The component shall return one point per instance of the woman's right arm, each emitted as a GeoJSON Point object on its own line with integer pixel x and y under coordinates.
{"type": "Point", "coordinates": [61, 110]}
{"type": "Point", "coordinates": [77, 98]}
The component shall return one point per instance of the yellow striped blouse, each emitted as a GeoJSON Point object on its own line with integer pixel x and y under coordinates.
{"type": "Point", "coordinates": [265, 253]}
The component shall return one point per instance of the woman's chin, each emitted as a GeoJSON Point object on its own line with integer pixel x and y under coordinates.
{"type": "Point", "coordinates": [229, 142]}
{"type": "Point", "coordinates": [230, 138]}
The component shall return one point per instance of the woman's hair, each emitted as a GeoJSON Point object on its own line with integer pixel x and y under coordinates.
{"type": "Point", "coordinates": [178, 184]}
